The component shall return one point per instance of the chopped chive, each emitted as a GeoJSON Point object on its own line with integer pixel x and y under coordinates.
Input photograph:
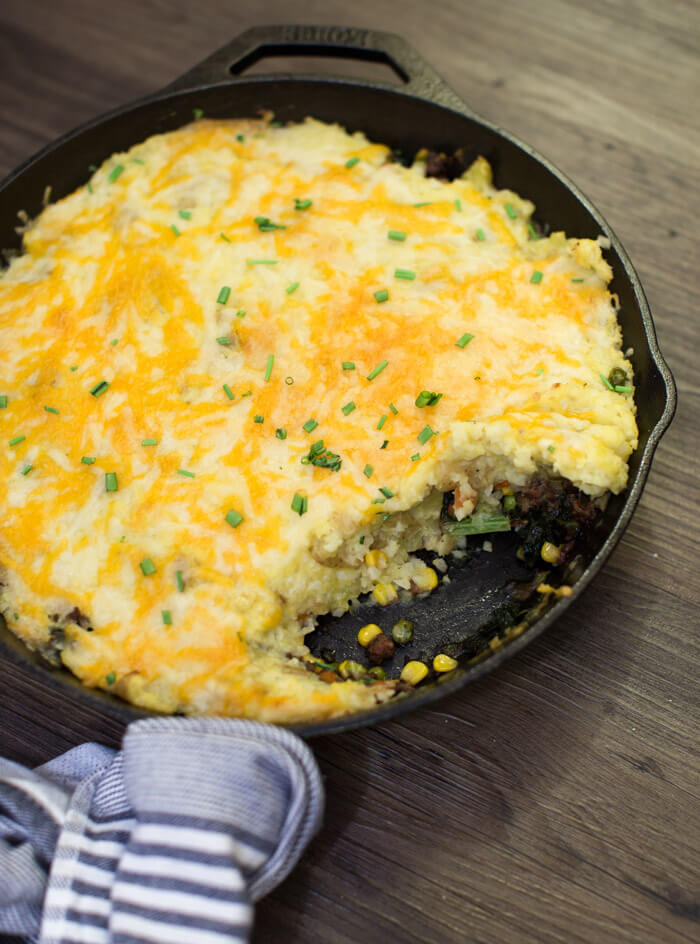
{"type": "Point", "coordinates": [89, 187]}
{"type": "Point", "coordinates": [382, 295]}
{"type": "Point", "coordinates": [16, 441]}
{"type": "Point", "coordinates": [147, 567]}
{"type": "Point", "coordinates": [184, 214]}
{"type": "Point", "coordinates": [224, 237]}
{"type": "Point", "coordinates": [240, 137]}
{"type": "Point", "coordinates": [224, 342]}
{"type": "Point", "coordinates": [393, 409]}
{"type": "Point", "coordinates": [352, 161]}
{"type": "Point", "coordinates": [458, 205]}
{"type": "Point", "coordinates": [167, 617]}
{"type": "Point", "coordinates": [115, 172]}
{"type": "Point", "coordinates": [539, 372]}
{"type": "Point", "coordinates": [149, 442]}
{"type": "Point", "coordinates": [265, 224]}
{"type": "Point", "coordinates": [317, 448]}
{"type": "Point", "coordinates": [74, 367]}
{"type": "Point", "coordinates": [137, 160]}
{"type": "Point", "coordinates": [261, 262]}
{"type": "Point", "coordinates": [481, 524]}
{"type": "Point", "coordinates": [386, 492]}
{"type": "Point", "coordinates": [415, 457]}
{"type": "Point", "coordinates": [100, 388]}
{"type": "Point", "coordinates": [114, 341]}
{"type": "Point", "coordinates": [51, 409]}
{"type": "Point", "coordinates": [268, 369]}
{"type": "Point", "coordinates": [377, 370]}
{"type": "Point", "coordinates": [347, 365]}
{"type": "Point", "coordinates": [427, 398]}
{"type": "Point", "coordinates": [290, 289]}
{"type": "Point", "coordinates": [606, 382]}
{"type": "Point", "coordinates": [228, 391]}
{"type": "Point", "coordinates": [233, 518]}
{"type": "Point", "coordinates": [276, 124]}
{"type": "Point", "coordinates": [310, 425]}
{"type": "Point", "coordinates": [3, 402]}
{"type": "Point", "coordinates": [240, 313]}
{"type": "Point", "coordinates": [348, 408]}
{"type": "Point", "coordinates": [111, 678]}
{"type": "Point", "coordinates": [619, 389]}
{"type": "Point", "coordinates": [382, 421]}
{"type": "Point", "coordinates": [197, 112]}
{"type": "Point", "coordinates": [299, 503]}
{"type": "Point", "coordinates": [397, 235]}
{"type": "Point", "coordinates": [174, 228]}
{"type": "Point", "coordinates": [258, 419]}
{"type": "Point", "coordinates": [180, 581]}
{"type": "Point", "coordinates": [536, 277]}
{"type": "Point", "coordinates": [27, 469]}
{"type": "Point", "coordinates": [425, 434]}
{"type": "Point", "coordinates": [480, 235]}
{"type": "Point", "coordinates": [464, 340]}
{"type": "Point", "coordinates": [92, 168]}
{"type": "Point", "coordinates": [302, 204]}
{"type": "Point", "coordinates": [368, 470]}
{"type": "Point", "coordinates": [289, 381]}
{"type": "Point", "coordinates": [532, 231]}
{"type": "Point", "coordinates": [511, 211]}
{"type": "Point", "coordinates": [378, 501]}
{"type": "Point", "coordinates": [384, 444]}
{"type": "Point", "coordinates": [189, 475]}
{"type": "Point", "coordinates": [425, 203]}
{"type": "Point", "coordinates": [577, 280]}
{"type": "Point", "coordinates": [281, 433]}
{"type": "Point", "coordinates": [111, 484]}
{"type": "Point", "coordinates": [88, 460]}
{"type": "Point", "coordinates": [550, 448]}
{"type": "Point", "coordinates": [407, 274]}
{"type": "Point", "coordinates": [223, 295]}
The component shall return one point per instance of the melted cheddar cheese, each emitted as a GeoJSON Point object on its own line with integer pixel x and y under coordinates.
{"type": "Point", "coordinates": [186, 322]}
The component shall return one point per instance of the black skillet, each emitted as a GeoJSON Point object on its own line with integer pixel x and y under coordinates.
{"type": "Point", "coordinates": [423, 112]}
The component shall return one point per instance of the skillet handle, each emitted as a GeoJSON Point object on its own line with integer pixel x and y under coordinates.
{"type": "Point", "coordinates": [345, 42]}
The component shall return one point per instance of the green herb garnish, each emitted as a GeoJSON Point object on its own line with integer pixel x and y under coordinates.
{"type": "Point", "coordinates": [481, 524]}
{"type": "Point", "coordinates": [480, 235]}
{"type": "Point", "coordinates": [233, 518]}
{"type": "Point", "coordinates": [149, 442]}
{"type": "Point", "coordinates": [51, 409]}
{"type": "Point", "coordinates": [16, 441]}
{"type": "Point", "coordinates": [382, 295]}
{"type": "Point", "coordinates": [290, 289]}
{"type": "Point", "coordinates": [348, 408]}
{"type": "Point", "coordinates": [382, 421]}
{"type": "Point", "coordinates": [228, 391]}
{"type": "Point", "coordinates": [180, 581]}
{"type": "Point", "coordinates": [377, 370]}
{"type": "Point", "coordinates": [115, 172]}
{"type": "Point", "coordinates": [88, 460]}
{"type": "Point", "coordinates": [302, 204]}
{"type": "Point", "coordinates": [386, 492]}
{"type": "Point", "coordinates": [425, 434]}
{"type": "Point", "coordinates": [464, 340]}
{"type": "Point", "coordinates": [3, 402]}
{"type": "Point", "coordinates": [265, 224]}
{"type": "Point", "coordinates": [397, 235]}
{"type": "Point", "coordinates": [261, 262]}
{"type": "Point", "coordinates": [536, 277]}
{"type": "Point", "coordinates": [368, 470]}
{"type": "Point", "coordinates": [167, 617]}
{"type": "Point", "coordinates": [281, 433]}
{"type": "Point", "coordinates": [111, 483]}
{"type": "Point", "coordinates": [511, 211]}
{"type": "Point", "coordinates": [427, 398]}
{"type": "Point", "coordinates": [258, 419]}
{"type": "Point", "coordinates": [310, 425]}
{"type": "Point", "coordinates": [606, 382]}
{"type": "Point", "coordinates": [189, 475]}
{"type": "Point", "coordinates": [352, 161]}
{"type": "Point", "coordinates": [407, 274]}
{"type": "Point", "coordinates": [148, 568]}
{"type": "Point", "coordinates": [347, 365]}
{"type": "Point", "coordinates": [269, 366]}
{"type": "Point", "coordinates": [197, 112]}
{"type": "Point", "coordinates": [223, 295]}
{"type": "Point", "coordinates": [99, 388]}
{"type": "Point", "coordinates": [184, 214]}
{"type": "Point", "coordinates": [299, 503]}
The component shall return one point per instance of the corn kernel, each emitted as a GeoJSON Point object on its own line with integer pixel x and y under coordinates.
{"type": "Point", "coordinates": [414, 672]}
{"type": "Point", "coordinates": [428, 580]}
{"type": "Point", "coordinates": [384, 593]}
{"type": "Point", "coordinates": [368, 633]}
{"type": "Point", "coordinates": [376, 559]}
{"type": "Point", "coordinates": [444, 663]}
{"type": "Point", "coordinates": [550, 552]}
{"type": "Point", "coordinates": [350, 670]}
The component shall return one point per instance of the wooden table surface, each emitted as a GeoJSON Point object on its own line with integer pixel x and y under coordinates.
{"type": "Point", "coordinates": [556, 800]}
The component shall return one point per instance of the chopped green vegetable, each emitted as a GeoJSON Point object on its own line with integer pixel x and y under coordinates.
{"type": "Point", "coordinates": [382, 421]}
{"type": "Point", "coordinates": [511, 211]}
{"type": "Point", "coordinates": [415, 457]}
{"type": "Point", "coordinates": [223, 295]}
{"type": "Point", "coordinates": [481, 524]}
{"type": "Point", "coordinates": [189, 475]}
{"type": "Point", "coordinates": [368, 470]}
{"type": "Point", "coordinates": [606, 382]}
{"type": "Point", "coordinates": [111, 678]}
{"type": "Point", "coordinates": [290, 289]}
{"type": "Point", "coordinates": [289, 381]}
{"type": "Point", "coordinates": [3, 402]}
{"type": "Point", "coordinates": [228, 391]}
{"type": "Point", "coordinates": [240, 313]}
{"type": "Point", "coordinates": [299, 503]}
{"type": "Point", "coordinates": [174, 228]}
{"type": "Point", "coordinates": [302, 204]}
{"type": "Point", "coordinates": [16, 441]}
{"type": "Point", "coordinates": [197, 112]}
{"type": "Point", "coordinates": [621, 389]}
{"type": "Point", "coordinates": [347, 365]}
{"type": "Point", "coordinates": [377, 370]}
{"type": "Point", "coordinates": [397, 235]}
{"type": "Point", "coordinates": [458, 205]}
{"type": "Point", "coordinates": [115, 172]}
{"type": "Point", "coordinates": [114, 341]}
{"type": "Point", "coordinates": [184, 214]}
{"type": "Point", "coordinates": [387, 492]}
{"type": "Point", "coordinates": [265, 224]}
{"type": "Point", "coordinates": [577, 280]}
{"type": "Point", "coordinates": [536, 277]}
{"type": "Point", "coordinates": [233, 518]}
{"type": "Point", "coordinates": [180, 581]}
{"type": "Point", "coordinates": [259, 419]}
{"type": "Point", "coordinates": [550, 448]}
{"type": "Point", "coordinates": [464, 340]}
{"type": "Point", "coordinates": [281, 433]}
{"type": "Point", "coordinates": [532, 231]}
{"type": "Point", "coordinates": [480, 235]}
{"type": "Point", "coordinates": [348, 408]}
{"type": "Point", "coordinates": [148, 568]}
{"type": "Point", "coordinates": [224, 237]}
{"type": "Point", "coordinates": [384, 444]}
{"type": "Point", "coordinates": [425, 203]}
{"type": "Point", "coordinates": [240, 137]}
{"type": "Point", "coordinates": [382, 295]}
{"type": "Point", "coordinates": [149, 442]}
{"type": "Point", "coordinates": [89, 187]}
{"type": "Point", "coordinates": [88, 460]}
{"type": "Point", "coordinates": [27, 469]}
{"type": "Point", "coordinates": [137, 160]}
{"type": "Point", "coordinates": [269, 366]}
{"type": "Point", "coordinates": [310, 425]}
{"type": "Point", "coordinates": [51, 409]}
{"type": "Point", "coordinates": [99, 388]}
{"type": "Point", "coordinates": [167, 617]}
{"type": "Point", "coordinates": [425, 434]}
{"type": "Point", "coordinates": [378, 501]}
{"type": "Point", "coordinates": [393, 409]}
{"type": "Point", "coordinates": [111, 483]}
{"type": "Point", "coordinates": [407, 274]}
{"type": "Point", "coordinates": [539, 372]}
{"type": "Point", "coordinates": [224, 342]}
{"type": "Point", "coordinates": [74, 367]}
{"type": "Point", "coordinates": [352, 161]}
{"type": "Point", "coordinates": [427, 398]}
{"type": "Point", "coordinates": [261, 262]}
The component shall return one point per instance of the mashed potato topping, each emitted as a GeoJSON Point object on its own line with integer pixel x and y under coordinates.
{"type": "Point", "coordinates": [210, 410]}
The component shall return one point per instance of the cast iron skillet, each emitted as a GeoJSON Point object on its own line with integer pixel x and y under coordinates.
{"type": "Point", "coordinates": [424, 112]}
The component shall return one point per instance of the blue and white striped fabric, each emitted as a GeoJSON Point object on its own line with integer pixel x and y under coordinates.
{"type": "Point", "coordinates": [170, 840]}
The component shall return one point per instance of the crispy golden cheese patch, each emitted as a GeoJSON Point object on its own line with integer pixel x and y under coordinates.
{"type": "Point", "coordinates": [182, 330]}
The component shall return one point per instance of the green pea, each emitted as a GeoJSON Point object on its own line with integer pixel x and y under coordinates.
{"type": "Point", "coordinates": [402, 632]}
{"type": "Point", "coordinates": [618, 377]}
{"type": "Point", "coordinates": [377, 672]}
{"type": "Point", "coordinates": [349, 669]}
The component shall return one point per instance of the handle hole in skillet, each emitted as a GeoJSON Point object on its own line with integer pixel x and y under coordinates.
{"type": "Point", "coordinates": [365, 64]}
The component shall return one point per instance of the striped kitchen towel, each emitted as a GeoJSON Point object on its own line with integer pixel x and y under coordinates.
{"type": "Point", "coordinates": [170, 840]}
